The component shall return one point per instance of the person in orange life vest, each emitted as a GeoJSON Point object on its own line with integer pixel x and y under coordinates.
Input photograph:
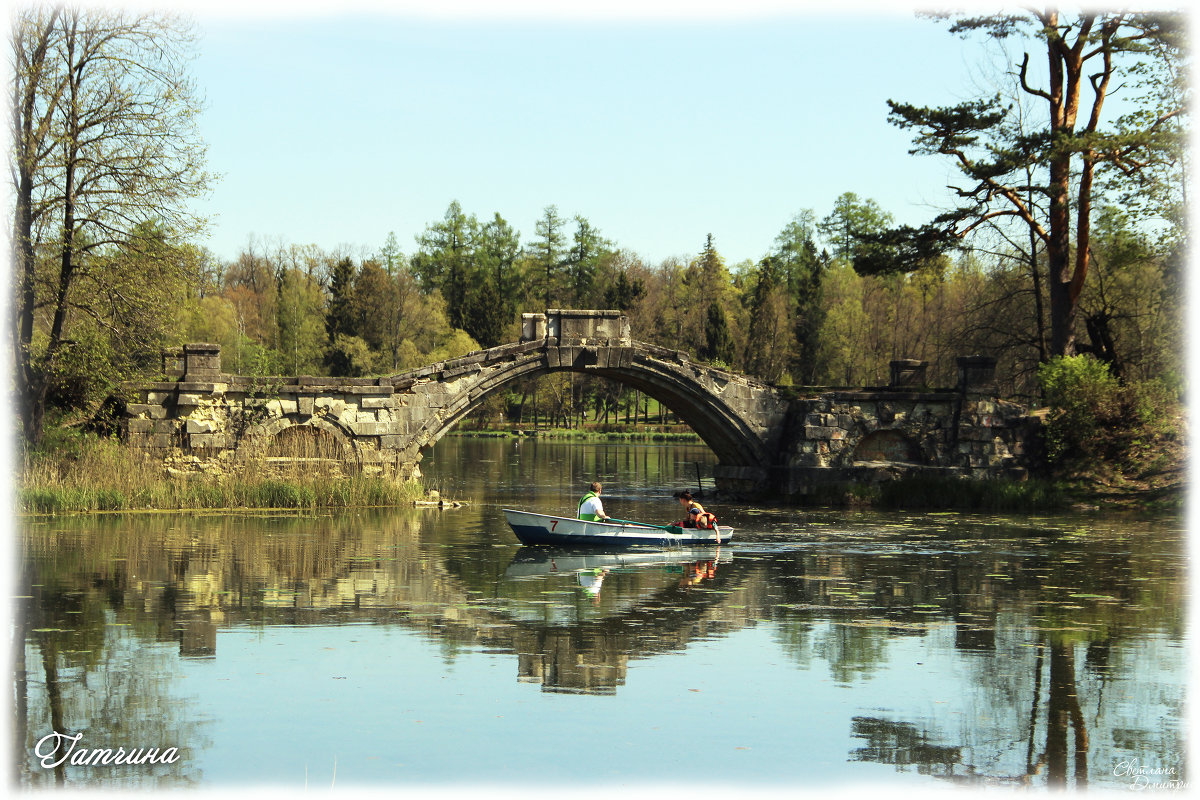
{"type": "Point", "coordinates": [696, 517]}
{"type": "Point", "coordinates": [590, 507]}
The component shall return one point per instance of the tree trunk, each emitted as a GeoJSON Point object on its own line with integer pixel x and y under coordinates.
{"type": "Point", "coordinates": [1058, 255]}
{"type": "Point", "coordinates": [1066, 280]}
{"type": "Point", "coordinates": [31, 386]}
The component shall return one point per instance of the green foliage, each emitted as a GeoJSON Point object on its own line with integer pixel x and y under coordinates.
{"type": "Point", "coordinates": [498, 252]}
{"type": "Point", "coordinates": [582, 263]}
{"type": "Point", "coordinates": [340, 317]}
{"type": "Point", "coordinates": [249, 357]}
{"type": "Point", "coordinates": [1109, 430]}
{"type": "Point", "coordinates": [349, 357]}
{"type": "Point", "coordinates": [902, 249]}
{"type": "Point", "coordinates": [796, 250]}
{"type": "Point", "coordinates": [103, 188]}
{"type": "Point", "coordinates": [769, 343]}
{"type": "Point", "coordinates": [457, 343]}
{"type": "Point", "coordinates": [548, 256]}
{"type": "Point", "coordinates": [484, 315]}
{"type": "Point", "coordinates": [300, 322]}
{"type": "Point", "coordinates": [1132, 308]}
{"type": "Point", "coordinates": [706, 282]}
{"type": "Point", "coordinates": [852, 219]}
{"type": "Point", "coordinates": [475, 269]}
{"type": "Point", "coordinates": [718, 342]}
{"type": "Point", "coordinates": [372, 301]}
{"type": "Point", "coordinates": [87, 370]}
{"type": "Point", "coordinates": [1033, 177]}
{"type": "Point", "coordinates": [446, 260]}
{"type": "Point", "coordinates": [1081, 394]}
{"type": "Point", "coordinates": [408, 356]}
{"type": "Point", "coordinates": [843, 351]}
{"type": "Point", "coordinates": [624, 293]}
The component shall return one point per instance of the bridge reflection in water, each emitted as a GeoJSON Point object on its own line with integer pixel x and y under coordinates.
{"type": "Point", "coordinates": [1039, 620]}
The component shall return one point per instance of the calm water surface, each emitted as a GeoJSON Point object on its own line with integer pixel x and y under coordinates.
{"type": "Point", "coordinates": [428, 648]}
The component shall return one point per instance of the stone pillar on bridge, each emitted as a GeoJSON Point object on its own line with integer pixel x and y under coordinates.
{"type": "Point", "coordinates": [201, 361]}
{"type": "Point", "coordinates": [533, 327]}
{"type": "Point", "coordinates": [908, 373]}
{"type": "Point", "coordinates": [976, 374]}
{"type": "Point", "coordinates": [569, 326]}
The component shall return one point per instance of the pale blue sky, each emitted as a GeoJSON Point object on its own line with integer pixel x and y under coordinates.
{"type": "Point", "coordinates": [336, 128]}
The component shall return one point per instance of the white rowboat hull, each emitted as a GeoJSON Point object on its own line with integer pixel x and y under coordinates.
{"type": "Point", "coordinates": [545, 529]}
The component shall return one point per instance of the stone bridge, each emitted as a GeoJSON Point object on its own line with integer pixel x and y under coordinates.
{"type": "Point", "coordinates": [767, 440]}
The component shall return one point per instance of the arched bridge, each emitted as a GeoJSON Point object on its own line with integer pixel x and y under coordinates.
{"type": "Point", "coordinates": [386, 423]}
{"type": "Point", "coordinates": [204, 420]}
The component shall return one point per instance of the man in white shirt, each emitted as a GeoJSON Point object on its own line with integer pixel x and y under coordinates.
{"type": "Point", "coordinates": [590, 507]}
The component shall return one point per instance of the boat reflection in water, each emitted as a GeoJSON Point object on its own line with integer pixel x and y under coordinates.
{"type": "Point", "coordinates": [582, 613]}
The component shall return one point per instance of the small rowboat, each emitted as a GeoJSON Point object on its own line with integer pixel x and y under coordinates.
{"type": "Point", "coordinates": [533, 528]}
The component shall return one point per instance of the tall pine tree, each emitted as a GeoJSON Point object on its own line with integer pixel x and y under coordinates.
{"type": "Point", "coordinates": [547, 250]}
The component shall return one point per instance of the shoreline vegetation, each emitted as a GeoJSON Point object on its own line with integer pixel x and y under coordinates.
{"type": "Point", "coordinates": [79, 473]}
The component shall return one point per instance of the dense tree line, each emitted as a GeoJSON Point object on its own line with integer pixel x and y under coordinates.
{"type": "Point", "coordinates": [834, 298]}
{"type": "Point", "coordinates": [801, 315]}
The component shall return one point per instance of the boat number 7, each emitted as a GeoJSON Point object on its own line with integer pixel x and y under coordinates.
{"type": "Point", "coordinates": [554, 525]}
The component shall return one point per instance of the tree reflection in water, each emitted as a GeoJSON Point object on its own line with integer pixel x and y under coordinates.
{"type": "Point", "coordinates": [81, 670]}
{"type": "Point", "coordinates": [902, 744]}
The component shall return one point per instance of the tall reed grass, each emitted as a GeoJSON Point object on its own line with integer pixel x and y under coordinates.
{"type": "Point", "coordinates": [87, 474]}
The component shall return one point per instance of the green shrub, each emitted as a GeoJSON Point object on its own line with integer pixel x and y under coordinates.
{"type": "Point", "coordinates": [1081, 394]}
{"type": "Point", "coordinates": [1096, 420]}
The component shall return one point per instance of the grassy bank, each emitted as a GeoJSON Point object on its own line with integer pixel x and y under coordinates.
{"type": "Point", "coordinates": [81, 474]}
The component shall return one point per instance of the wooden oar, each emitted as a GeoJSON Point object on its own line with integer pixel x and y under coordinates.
{"type": "Point", "coordinates": [671, 528]}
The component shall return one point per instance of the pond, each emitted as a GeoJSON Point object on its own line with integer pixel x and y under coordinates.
{"type": "Point", "coordinates": [428, 648]}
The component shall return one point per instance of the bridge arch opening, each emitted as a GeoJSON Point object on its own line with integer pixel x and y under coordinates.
{"type": "Point", "coordinates": [304, 443]}
{"type": "Point", "coordinates": [289, 445]}
{"type": "Point", "coordinates": [722, 430]}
